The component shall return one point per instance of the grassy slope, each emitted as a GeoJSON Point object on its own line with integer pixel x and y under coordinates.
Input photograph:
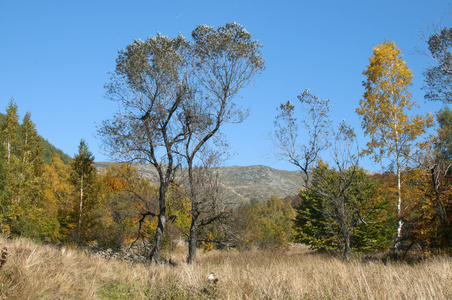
{"type": "Point", "coordinates": [44, 272]}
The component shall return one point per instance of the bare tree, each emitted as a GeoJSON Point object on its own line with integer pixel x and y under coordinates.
{"type": "Point", "coordinates": [208, 203]}
{"type": "Point", "coordinates": [290, 145]}
{"type": "Point", "coordinates": [342, 188]}
{"type": "Point", "coordinates": [438, 76]}
{"type": "Point", "coordinates": [149, 84]}
{"type": "Point", "coordinates": [225, 61]}
{"type": "Point", "coordinates": [334, 189]}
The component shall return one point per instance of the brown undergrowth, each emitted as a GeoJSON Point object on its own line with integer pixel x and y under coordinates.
{"type": "Point", "coordinates": [35, 271]}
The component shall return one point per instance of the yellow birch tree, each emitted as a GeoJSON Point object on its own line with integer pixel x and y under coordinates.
{"type": "Point", "coordinates": [385, 115]}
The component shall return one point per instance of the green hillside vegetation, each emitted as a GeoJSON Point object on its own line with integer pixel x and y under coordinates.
{"type": "Point", "coordinates": [49, 150]}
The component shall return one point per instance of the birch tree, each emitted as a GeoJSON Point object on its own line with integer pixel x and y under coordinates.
{"type": "Point", "coordinates": [386, 118]}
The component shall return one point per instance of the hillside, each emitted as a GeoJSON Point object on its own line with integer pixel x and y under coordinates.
{"type": "Point", "coordinates": [242, 184]}
{"type": "Point", "coordinates": [49, 150]}
{"type": "Point", "coordinates": [259, 182]}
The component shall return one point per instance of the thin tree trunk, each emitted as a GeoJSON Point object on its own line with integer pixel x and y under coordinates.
{"type": "Point", "coordinates": [193, 237]}
{"type": "Point", "coordinates": [81, 210]}
{"type": "Point", "coordinates": [399, 209]}
{"type": "Point", "coordinates": [346, 232]}
{"type": "Point", "coordinates": [9, 151]}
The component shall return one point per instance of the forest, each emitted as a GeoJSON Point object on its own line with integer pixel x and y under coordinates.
{"type": "Point", "coordinates": [72, 203]}
{"type": "Point", "coordinates": [175, 95]}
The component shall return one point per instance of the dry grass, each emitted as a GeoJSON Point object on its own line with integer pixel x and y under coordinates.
{"type": "Point", "coordinates": [45, 272]}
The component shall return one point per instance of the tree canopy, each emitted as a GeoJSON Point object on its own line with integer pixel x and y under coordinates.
{"type": "Point", "coordinates": [438, 77]}
{"type": "Point", "coordinates": [384, 112]}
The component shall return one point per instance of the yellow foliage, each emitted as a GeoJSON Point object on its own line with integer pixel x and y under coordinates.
{"type": "Point", "coordinates": [385, 114]}
{"type": "Point", "coordinates": [208, 246]}
{"type": "Point", "coordinates": [386, 99]}
{"type": "Point", "coordinates": [114, 184]}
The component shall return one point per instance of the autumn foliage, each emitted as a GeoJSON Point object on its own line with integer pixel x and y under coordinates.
{"type": "Point", "coordinates": [340, 207]}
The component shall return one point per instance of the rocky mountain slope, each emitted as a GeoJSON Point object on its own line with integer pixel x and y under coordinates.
{"type": "Point", "coordinates": [242, 184]}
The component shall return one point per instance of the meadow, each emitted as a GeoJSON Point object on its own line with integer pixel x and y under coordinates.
{"type": "Point", "coordinates": [34, 271]}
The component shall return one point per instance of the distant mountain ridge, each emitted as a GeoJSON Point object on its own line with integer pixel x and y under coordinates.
{"type": "Point", "coordinates": [259, 182]}
{"type": "Point", "coordinates": [242, 184]}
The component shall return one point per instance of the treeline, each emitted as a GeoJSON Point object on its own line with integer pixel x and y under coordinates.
{"type": "Point", "coordinates": [72, 202]}
{"type": "Point", "coordinates": [175, 100]}
{"type": "Point", "coordinates": [48, 150]}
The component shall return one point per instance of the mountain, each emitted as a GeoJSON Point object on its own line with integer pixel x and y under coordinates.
{"type": "Point", "coordinates": [242, 184]}
{"type": "Point", "coordinates": [259, 182]}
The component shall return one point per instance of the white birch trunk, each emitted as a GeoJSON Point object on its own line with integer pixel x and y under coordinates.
{"type": "Point", "coordinates": [399, 206]}
{"type": "Point", "coordinates": [81, 210]}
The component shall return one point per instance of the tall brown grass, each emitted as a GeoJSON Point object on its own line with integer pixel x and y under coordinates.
{"type": "Point", "coordinates": [45, 272]}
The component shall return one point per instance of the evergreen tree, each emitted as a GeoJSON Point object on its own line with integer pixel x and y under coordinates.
{"type": "Point", "coordinates": [3, 187]}
{"type": "Point", "coordinates": [324, 223]}
{"type": "Point", "coordinates": [83, 178]}
{"type": "Point", "coordinates": [8, 134]}
{"type": "Point", "coordinates": [438, 77]}
{"type": "Point", "coordinates": [24, 210]}
{"type": "Point", "coordinates": [30, 162]}
{"type": "Point", "coordinates": [9, 130]}
{"type": "Point", "coordinates": [444, 142]}
{"type": "Point", "coordinates": [311, 227]}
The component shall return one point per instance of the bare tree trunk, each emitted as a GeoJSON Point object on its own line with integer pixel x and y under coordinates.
{"type": "Point", "coordinates": [205, 198]}
{"type": "Point", "coordinates": [155, 253]}
{"type": "Point", "coordinates": [158, 238]}
{"type": "Point", "coordinates": [193, 237]}
{"type": "Point", "coordinates": [347, 246]}
{"type": "Point", "coordinates": [346, 231]}
{"type": "Point", "coordinates": [192, 241]}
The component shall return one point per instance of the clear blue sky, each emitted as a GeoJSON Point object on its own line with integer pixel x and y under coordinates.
{"type": "Point", "coordinates": [55, 57]}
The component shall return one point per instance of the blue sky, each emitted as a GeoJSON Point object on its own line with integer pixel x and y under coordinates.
{"type": "Point", "coordinates": [55, 57]}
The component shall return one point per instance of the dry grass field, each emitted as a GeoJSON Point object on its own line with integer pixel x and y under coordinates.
{"type": "Point", "coordinates": [44, 272]}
